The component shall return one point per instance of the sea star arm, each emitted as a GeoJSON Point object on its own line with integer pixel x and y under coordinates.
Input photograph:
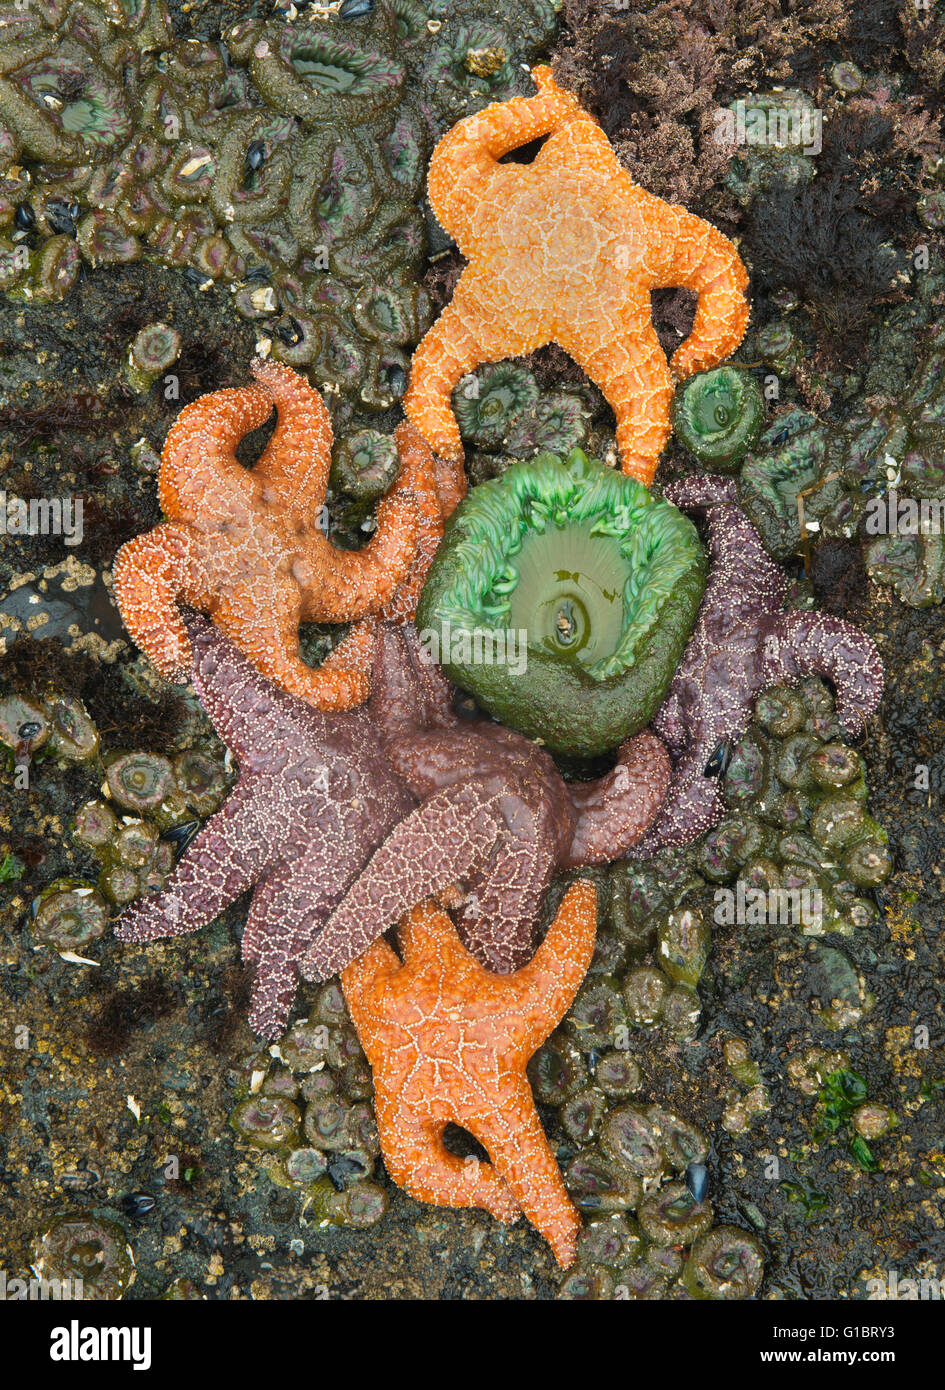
{"type": "Point", "coordinates": [354, 657]}
{"type": "Point", "coordinates": [246, 710]}
{"type": "Point", "coordinates": [345, 584]}
{"type": "Point", "coordinates": [416, 1159]}
{"type": "Point", "coordinates": [466, 159]}
{"type": "Point", "coordinates": [227, 856]}
{"type": "Point", "coordinates": [706, 261]}
{"type": "Point", "coordinates": [152, 572]}
{"type": "Point", "coordinates": [693, 805]}
{"type": "Point", "coordinates": [288, 908]}
{"type": "Point", "coordinates": [408, 690]}
{"type": "Point", "coordinates": [734, 544]}
{"type": "Point", "coordinates": [436, 490]}
{"type": "Point", "coordinates": [546, 986]}
{"type": "Point", "coordinates": [500, 910]}
{"type": "Point", "coordinates": [261, 618]}
{"type": "Point", "coordinates": [447, 838]}
{"type": "Point", "coordinates": [198, 461]}
{"type": "Point", "coordinates": [522, 1158]}
{"type": "Point", "coordinates": [449, 350]}
{"type": "Point", "coordinates": [628, 364]}
{"type": "Point", "coordinates": [370, 973]}
{"type": "Point", "coordinates": [613, 812]}
{"type": "Point", "coordinates": [820, 644]}
{"type": "Point", "coordinates": [297, 459]}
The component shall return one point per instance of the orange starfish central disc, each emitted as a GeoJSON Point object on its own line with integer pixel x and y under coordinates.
{"type": "Point", "coordinates": [448, 1040]}
{"type": "Point", "coordinates": [248, 546]}
{"type": "Point", "coordinates": [566, 250]}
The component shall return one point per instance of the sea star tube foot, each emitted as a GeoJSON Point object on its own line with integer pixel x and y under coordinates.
{"type": "Point", "coordinates": [448, 1041]}
{"type": "Point", "coordinates": [566, 250]}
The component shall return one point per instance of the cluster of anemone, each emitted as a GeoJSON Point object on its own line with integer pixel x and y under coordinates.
{"type": "Point", "coordinates": [150, 812]}
{"type": "Point", "coordinates": [798, 820]}
{"type": "Point", "coordinates": [639, 1172]}
{"type": "Point", "coordinates": [51, 726]}
{"type": "Point", "coordinates": [307, 1109]}
{"type": "Point", "coordinates": [286, 161]}
{"type": "Point", "coordinates": [503, 415]}
{"type": "Point", "coordinates": [867, 477]}
{"type": "Point", "coordinates": [149, 805]}
{"type": "Point", "coordinates": [798, 823]}
{"type": "Point", "coordinates": [797, 828]}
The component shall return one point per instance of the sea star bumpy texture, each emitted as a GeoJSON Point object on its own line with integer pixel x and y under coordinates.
{"type": "Point", "coordinates": [743, 641]}
{"type": "Point", "coordinates": [495, 817]}
{"type": "Point", "coordinates": [566, 250]}
{"type": "Point", "coordinates": [318, 793]}
{"type": "Point", "coordinates": [448, 1041]}
{"type": "Point", "coordinates": [247, 546]}
{"type": "Point", "coordinates": [314, 797]}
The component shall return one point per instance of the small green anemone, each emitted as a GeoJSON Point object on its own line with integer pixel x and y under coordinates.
{"type": "Point", "coordinates": [718, 416]}
{"type": "Point", "coordinates": [488, 402]}
{"type": "Point", "coordinates": [562, 596]}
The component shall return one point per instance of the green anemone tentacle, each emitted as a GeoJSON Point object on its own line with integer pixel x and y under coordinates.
{"type": "Point", "coordinates": [562, 596]}
{"type": "Point", "coordinates": [719, 415]}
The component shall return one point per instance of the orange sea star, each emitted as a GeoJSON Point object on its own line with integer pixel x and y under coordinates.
{"type": "Point", "coordinates": [566, 250]}
{"type": "Point", "coordinates": [449, 1041]}
{"type": "Point", "coordinates": [247, 547]}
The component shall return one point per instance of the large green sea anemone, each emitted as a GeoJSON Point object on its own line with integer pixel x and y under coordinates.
{"type": "Point", "coordinates": [562, 596]}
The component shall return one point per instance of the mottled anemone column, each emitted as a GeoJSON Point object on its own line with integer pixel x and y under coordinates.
{"type": "Point", "coordinates": [488, 402]}
{"type": "Point", "coordinates": [562, 596]}
{"type": "Point", "coordinates": [718, 416]}
{"type": "Point", "coordinates": [305, 71]}
{"type": "Point", "coordinates": [69, 914]}
{"type": "Point", "coordinates": [366, 464]}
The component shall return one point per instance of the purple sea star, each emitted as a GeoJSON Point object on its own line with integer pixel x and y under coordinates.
{"type": "Point", "coordinates": [743, 641]}
{"type": "Point", "coordinates": [315, 796]}
{"type": "Point", "coordinates": [318, 793]}
{"type": "Point", "coordinates": [496, 817]}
